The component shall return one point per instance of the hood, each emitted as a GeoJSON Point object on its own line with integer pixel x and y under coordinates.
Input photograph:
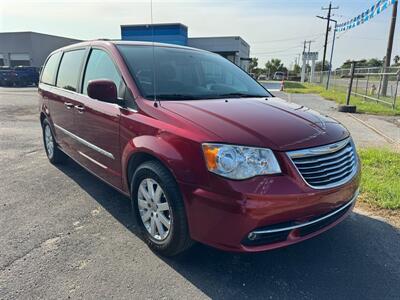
{"type": "Point", "coordinates": [271, 122]}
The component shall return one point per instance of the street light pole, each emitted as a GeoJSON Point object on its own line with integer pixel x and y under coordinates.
{"type": "Point", "coordinates": [330, 61]}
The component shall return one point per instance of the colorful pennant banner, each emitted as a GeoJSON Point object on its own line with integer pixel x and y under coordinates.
{"type": "Point", "coordinates": [376, 9]}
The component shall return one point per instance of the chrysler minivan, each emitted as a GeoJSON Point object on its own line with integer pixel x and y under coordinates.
{"type": "Point", "coordinates": [204, 152]}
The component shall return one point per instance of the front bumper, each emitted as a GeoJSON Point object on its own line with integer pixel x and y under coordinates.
{"type": "Point", "coordinates": [264, 212]}
{"type": "Point", "coordinates": [295, 230]}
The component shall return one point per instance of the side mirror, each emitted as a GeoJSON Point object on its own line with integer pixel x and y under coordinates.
{"type": "Point", "coordinates": [103, 90]}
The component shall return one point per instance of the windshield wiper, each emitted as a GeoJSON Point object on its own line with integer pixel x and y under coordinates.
{"type": "Point", "coordinates": [241, 95]}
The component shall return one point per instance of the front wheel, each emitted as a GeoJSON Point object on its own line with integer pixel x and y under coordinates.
{"type": "Point", "coordinates": [159, 209]}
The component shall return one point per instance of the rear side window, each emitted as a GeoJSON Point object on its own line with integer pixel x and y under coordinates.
{"type": "Point", "coordinates": [50, 70]}
{"type": "Point", "coordinates": [70, 68]}
{"type": "Point", "coordinates": [101, 66]}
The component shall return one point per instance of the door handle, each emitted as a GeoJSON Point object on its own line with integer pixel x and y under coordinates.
{"type": "Point", "coordinates": [80, 108]}
{"type": "Point", "coordinates": [68, 105]}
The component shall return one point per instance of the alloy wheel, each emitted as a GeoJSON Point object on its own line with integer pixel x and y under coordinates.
{"type": "Point", "coordinates": [49, 141]}
{"type": "Point", "coordinates": [154, 209]}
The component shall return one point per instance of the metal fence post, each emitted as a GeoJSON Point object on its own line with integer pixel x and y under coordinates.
{"type": "Point", "coordinates": [380, 84]}
{"type": "Point", "coordinates": [395, 91]}
{"type": "Point", "coordinates": [357, 83]}
{"type": "Point", "coordinates": [353, 66]}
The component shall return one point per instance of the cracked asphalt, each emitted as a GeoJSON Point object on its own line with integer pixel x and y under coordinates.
{"type": "Point", "coordinates": [64, 234]}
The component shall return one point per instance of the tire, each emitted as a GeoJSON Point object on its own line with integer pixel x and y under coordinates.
{"type": "Point", "coordinates": [177, 239]}
{"type": "Point", "coordinates": [54, 154]}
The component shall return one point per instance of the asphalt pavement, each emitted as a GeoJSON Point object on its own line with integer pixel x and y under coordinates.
{"type": "Point", "coordinates": [65, 234]}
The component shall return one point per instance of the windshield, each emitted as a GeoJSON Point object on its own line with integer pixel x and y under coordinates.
{"type": "Point", "coordinates": [184, 74]}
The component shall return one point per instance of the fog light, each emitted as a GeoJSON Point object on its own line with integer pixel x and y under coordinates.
{"type": "Point", "coordinates": [251, 236]}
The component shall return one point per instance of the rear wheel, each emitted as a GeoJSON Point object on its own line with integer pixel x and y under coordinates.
{"type": "Point", "coordinates": [54, 154]}
{"type": "Point", "coordinates": [159, 209]}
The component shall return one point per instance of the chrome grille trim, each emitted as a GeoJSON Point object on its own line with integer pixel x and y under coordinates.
{"type": "Point", "coordinates": [326, 166]}
{"type": "Point", "coordinates": [341, 160]}
{"type": "Point", "coordinates": [349, 203]}
{"type": "Point", "coordinates": [336, 171]}
{"type": "Point", "coordinates": [320, 150]}
{"type": "Point", "coordinates": [337, 154]}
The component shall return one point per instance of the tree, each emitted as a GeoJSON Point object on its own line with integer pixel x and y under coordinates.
{"type": "Point", "coordinates": [253, 64]}
{"type": "Point", "coordinates": [346, 64]}
{"type": "Point", "coordinates": [274, 65]}
{"type": "Point", "coordinates": [374, 62]}
{"type": "Point", "coordinates": [318, 66]}
{"type": "Point", "coordinates": [364, 63]}
{"type": "Point", "coordinates": [296, 69]}
{"type": "Point", "coordinates": [396, 60]}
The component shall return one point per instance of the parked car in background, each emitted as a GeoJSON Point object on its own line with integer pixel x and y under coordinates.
{"type": "Point", "coordinates": [262, 77]}
{"type": "Point", "coordinates": [26, 76]}
{"type": "Point", "coordinates": [204, 152]}
{"type": "Point", "coordinates": [279, 76]}
{"type": "Point", "coordinates": [19, 76]}
{"type": "Point", "coordinates": [7, 76]}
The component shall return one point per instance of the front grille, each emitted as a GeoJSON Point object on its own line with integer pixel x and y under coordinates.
{"type": "Point", "coordinates": [327, 166]}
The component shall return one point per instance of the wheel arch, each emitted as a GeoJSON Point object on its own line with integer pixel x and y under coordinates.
{"type": "Point", "coordinates": [146, 148]}
{"type": "Point", "coordinates": [138, 158]}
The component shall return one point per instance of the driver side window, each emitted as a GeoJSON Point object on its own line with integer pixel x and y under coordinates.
{"type": "Point", "coordinates": [100, 66]}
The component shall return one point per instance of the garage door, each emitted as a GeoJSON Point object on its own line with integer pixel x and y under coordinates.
{"type": "Point", "coordinates": [20, 59]}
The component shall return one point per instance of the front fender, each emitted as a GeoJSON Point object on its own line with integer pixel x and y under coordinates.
{"type": "Point", "coordinates": [181, 156]}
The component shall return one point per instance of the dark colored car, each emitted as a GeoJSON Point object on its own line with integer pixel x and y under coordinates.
{"type": "Point", "coordinates": [203, 151]}
{"type": "Point", "coordinates": [7, 76]}
{"type": "Point", "coordinates": [26, 76]}
{"type": "Point", "coordinates": [19, 76]}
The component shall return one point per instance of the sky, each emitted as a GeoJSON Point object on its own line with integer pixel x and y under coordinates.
{"type": "Point", "coordinates": [273, 28]}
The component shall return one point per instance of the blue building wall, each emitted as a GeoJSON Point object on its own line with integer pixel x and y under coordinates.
{"type": "Point", "coordinates": [163, 33]}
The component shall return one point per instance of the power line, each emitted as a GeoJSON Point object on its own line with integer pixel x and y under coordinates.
{"type": "Point", "coordinates": [277, 51]}
{"type": "Point", "coordinates": [289, 39]}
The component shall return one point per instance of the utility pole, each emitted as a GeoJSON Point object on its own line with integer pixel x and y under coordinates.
{"type": "Point", "coordinates": [328, 19]}
{"type": "Point", "coordinates": [333, 46]}
{"type": "Point", "coordinates": [309, 49]}
{"type": "Point", "coordinates": [389, 49]}
{"type": "Point", "coordinates": [303, 66]}
{"type": "Point", "coordinates": [330, 61]}
{"type": "Point", "coordinates": [309, 45]}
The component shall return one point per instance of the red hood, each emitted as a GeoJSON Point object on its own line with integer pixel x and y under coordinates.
{"type": "Point", "coordinates": [272, 123]}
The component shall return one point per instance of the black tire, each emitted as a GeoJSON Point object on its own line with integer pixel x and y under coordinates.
{"type": "Point", "coordinates": [57, 156]}
{"type": "Point", "coordinates": [178, 238]}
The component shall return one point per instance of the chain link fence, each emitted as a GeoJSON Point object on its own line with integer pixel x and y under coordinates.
{"type": "Point", "coordinates": [368, 83]}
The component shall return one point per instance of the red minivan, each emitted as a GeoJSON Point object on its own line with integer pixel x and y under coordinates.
{"type": "Point", "coordinates": [204, 152]}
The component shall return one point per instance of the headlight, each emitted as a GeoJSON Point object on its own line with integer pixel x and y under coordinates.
{"type": "Point", "coordinates": [239, 162]}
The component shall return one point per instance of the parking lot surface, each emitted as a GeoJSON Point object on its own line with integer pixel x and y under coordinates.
{"type": "Point", "coordinates": [65, 234]}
